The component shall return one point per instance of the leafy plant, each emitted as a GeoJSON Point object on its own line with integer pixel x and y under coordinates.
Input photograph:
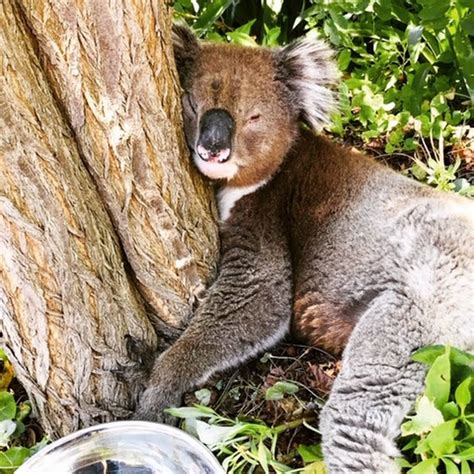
{"type": "Point", "coordinates": [434, 170]}
{"type": "Point", "coordinates": [12, 416]}
{"type": "Point", "coordinates": [405, 62]}
{"type": "Point", "coordinates": [440, 432]}
{"type": "Point", "coordinates": [243, 445]}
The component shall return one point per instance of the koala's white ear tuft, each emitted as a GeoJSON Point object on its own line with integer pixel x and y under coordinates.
{"type": "Point", "coordinates": [186, 49]}
{"type": "Point", "coordinates": [308, 69]}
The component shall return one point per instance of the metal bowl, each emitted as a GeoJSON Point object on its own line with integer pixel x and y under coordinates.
{"type": "Point", "coordinates": [124, 447]}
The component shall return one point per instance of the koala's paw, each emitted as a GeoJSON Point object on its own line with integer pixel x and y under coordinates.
{"type": "Point", "coordinates": [152, 404]}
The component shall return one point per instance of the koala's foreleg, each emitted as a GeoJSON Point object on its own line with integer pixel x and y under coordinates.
{"type": "Point", "coordinates": [246, 310]}
{"type": "Point", "coordinates": [375, 389]}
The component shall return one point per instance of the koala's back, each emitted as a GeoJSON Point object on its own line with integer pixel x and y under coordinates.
{"type": "Point", "coordinates": [358, 231]}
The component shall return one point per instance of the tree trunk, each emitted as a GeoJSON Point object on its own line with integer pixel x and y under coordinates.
{"type": "Point", "coordinates": [105, 229]}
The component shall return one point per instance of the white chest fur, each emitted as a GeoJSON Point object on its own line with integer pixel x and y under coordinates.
{"type": "Point", "coordinates": [227, 196]}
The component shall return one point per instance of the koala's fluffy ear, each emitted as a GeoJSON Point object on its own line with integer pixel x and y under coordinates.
{"type": "Point", "coordinates": [308, 69]}
{"type": "Point", "coordinates": [186, 50]}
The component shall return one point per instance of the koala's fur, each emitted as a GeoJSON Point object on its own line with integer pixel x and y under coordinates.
{"type": "Point", "coordinates": [322, 239]}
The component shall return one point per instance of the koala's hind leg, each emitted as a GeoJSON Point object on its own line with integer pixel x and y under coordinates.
{"type": "Point", "coordinates": [428, 301]}
{"type": "Point", "coordinates": [376, 387]}
{"type": "Point", "coordinates": [246, 310]}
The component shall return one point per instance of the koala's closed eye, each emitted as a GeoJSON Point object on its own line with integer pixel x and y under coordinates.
{"type": "Point", "coordinates": [255, 117]}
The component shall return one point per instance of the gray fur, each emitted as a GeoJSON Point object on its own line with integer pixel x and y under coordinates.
{"type": "Point", "coordinates": [226, 329]}
{"type": "Point", "coordinates": [352, 249]}
{"type": "Point", "coordinates": [310, 74]}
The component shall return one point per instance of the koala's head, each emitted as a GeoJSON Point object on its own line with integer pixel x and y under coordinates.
{"type": "Point", "coordinates": [242, 105]}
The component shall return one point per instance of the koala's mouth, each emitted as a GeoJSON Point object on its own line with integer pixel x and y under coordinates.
{"type": "Point", "coordinates": [219, 166]}
{"type": "Point", "coordinates": [219, 156]}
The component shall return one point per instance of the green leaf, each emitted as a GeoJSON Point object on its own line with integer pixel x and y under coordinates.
{"type": "Point", "coordinates": [241, 38]}
{"type": "Point", "coordinates": [434, 10]}
{"type": "Point", "coordinates": [271, 36]}
{"type": "Point", "coordinates": [310, 453]}
{"type": "Point", "coordinates": [418, 172]}
{"type": "Point", "coordinates": [426, 418]}
{"type": "Point", "coordinates": [427, 355]}
{"type": "Point", "coordinates": [211, 13]}
{"type": "Point", "coordinates": [422, 448]}
{"type": "Point", "coordinates": [198, 411]}
{"type": "Point", "coordinates": [211, 435]}
{"type": "Point", "coordinates": [20, 429]}
{"type": "Point", "coordinates": [425, 467]}
{"type": "Point", "coordinates": [7, 406]}
{"type": "Point", "coordinates": [280, 389]}
{"type": "Point", "coordinates": [403, 463]}
{"type": "Point", "coordinates": [13, 458]}
{"type": "Point", "coordinates": [280, 467]}
{"type": "Point", "coordinates": [463, 395]}
{"type": "Point", "coordinates": [419, 79]}
{"type": "Point", "coordinates": [344, 59]}
{"type": "Point", "coordinates": [24, 409]}
{"type": "Point", "coordinates": [383, 10]}
{"type": "Point", "coordinates": [468, 24]}
{"type": "Point", "coordinates": [442, 438]}
{"type": "Point", "coordinates": [247, 27]}
{"type": "Point", "coordinates": [450, 410]}
{"type": "Point", "coordinates": [215, 37]}
{"type": "Point", "coordinates": [465, 467]}
{"type": "Point", "coordinates": [438, 380]}
{"type": "Point", "coordinates": [264, 455]}
{"type": "Point", "coordinates": [451, 468]}
{"type": "Point", "coordinates": [317, 467]}
{"type": "Point", "coordinates": [40, 445]}
{"type": "Point", "coordinates": [411, 444]}
{"type": "Point", "coordinates": [466, 455]}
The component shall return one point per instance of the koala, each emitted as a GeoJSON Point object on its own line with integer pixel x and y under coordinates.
{"type": "Point", "coordinates": [317, 240]}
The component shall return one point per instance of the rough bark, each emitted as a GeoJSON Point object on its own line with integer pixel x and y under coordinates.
{"type": "Point", "coordinates": [103, 223]}
{"type": "Point", "coordinates": [110, 63]}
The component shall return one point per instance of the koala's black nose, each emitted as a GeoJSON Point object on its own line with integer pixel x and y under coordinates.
{"type": "Point", "coordinates": [215, 135]}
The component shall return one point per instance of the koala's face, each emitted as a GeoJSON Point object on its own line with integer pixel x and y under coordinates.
{"type": "Point", "coordinates": [237, 121]}
{"type": "Point", "coordinates": [242, 105]}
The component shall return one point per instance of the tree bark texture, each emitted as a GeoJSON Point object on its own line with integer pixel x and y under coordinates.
{"type": "Point", "coordinates": [105, 228]}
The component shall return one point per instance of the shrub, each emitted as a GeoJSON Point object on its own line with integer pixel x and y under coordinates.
{"type": "Point", "coordinates": [439, 435]}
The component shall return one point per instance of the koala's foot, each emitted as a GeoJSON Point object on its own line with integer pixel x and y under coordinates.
{"type": "Point", "coordinates": [344, 453]}
{"type": "Point", "coordinates": [152, 405]}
